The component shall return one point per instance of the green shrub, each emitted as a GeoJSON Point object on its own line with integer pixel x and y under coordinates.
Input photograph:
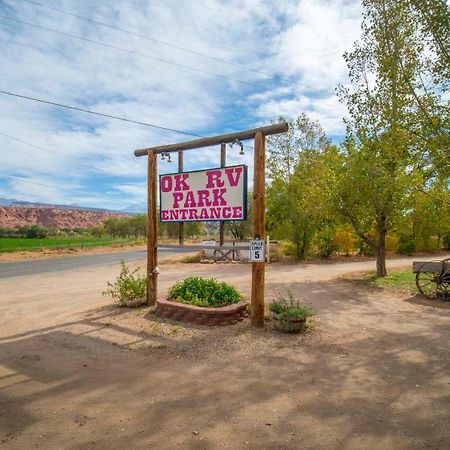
{"type": "Point", "coordinates": [365, 249]}
{"type": "Point", "coordinates": [290, 315]}
{"type": "Point", "coordinates": [290, 307]}
{"type": "Point", "coordinates": [128, 286]}
{"type": "Point", "coordinates": [325, 244]}
{"type": "Point", "coordinates": [406, 245]}
{"type": "Point", "coordinates": [447, 242]}
{"type": "Point", "coordinates": [203, 292]}
{"type": "Point", "coordinates": [427, 244]}
{"type": "Point", "coordinates": [33, 231]}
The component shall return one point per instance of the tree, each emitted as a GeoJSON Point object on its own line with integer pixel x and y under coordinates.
{"type": "Point", "coordinates": [138, 225]}
{"type": "Point", "coordinates": [98, 230]}
{"type": "Point", "coordinates": [396, 137]}
{"type": "Point", "coordinates": [298, 195]}
{"type": "Point", "coordinates": [112, 226]}
{"type": "Point", "coordinates": [33, 231]}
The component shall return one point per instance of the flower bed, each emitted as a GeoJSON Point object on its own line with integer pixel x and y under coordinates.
{"type": "Point", "coordinates": [203, 302]}
{"type": "Point", "coordinates": [224, 315]}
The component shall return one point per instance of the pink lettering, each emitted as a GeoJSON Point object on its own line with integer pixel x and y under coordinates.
{"type": "Point", "coordinates": [218, 197]}
{"type": "Point", "coordinates": [214, 179]}
{"type": "Point", "coordinates": [164, 214]}
{"type": "Point", "coordinates": [193, 214]}
{"type": "Point", "coordinates": [237, 212]}
{"type": "Point", "coordinates": [173, 214]}
{"type": "Point", "coordinates": [214, 213]}
{"type": "Point", "coordinates": [190, 200]}
{"type": "Point", "coordinates": [183, 213]}
{"type": "Point", "coordinates": [204, 214]}
{"type": "Point", "coordinates": [166, 183]}
{"type": "Point", "coordinates": [180, 183]}
{"type": "Point", "coordinates": [233, 180]}
{"type": "Point", "coordinates": [203, 198]}
{"type": "Point", "coordinates": [177, 197]}
{"type": "Point", "coordinates": [226, 212]}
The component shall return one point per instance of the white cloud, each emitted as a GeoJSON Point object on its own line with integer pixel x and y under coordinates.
{"type": "Point", "coordinates": [301, 41]}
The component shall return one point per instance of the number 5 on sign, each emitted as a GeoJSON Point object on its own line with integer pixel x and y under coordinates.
{"type": "Point", "coordinates": [257, 251]}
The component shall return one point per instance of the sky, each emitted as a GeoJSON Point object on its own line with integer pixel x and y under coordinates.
{"type": "Point", "coordinates": [204, 67]}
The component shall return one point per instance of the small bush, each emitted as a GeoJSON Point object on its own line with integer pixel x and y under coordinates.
{"type": "Point", "coordinates": [282, 250]}
{"type": "Point", "coordinates": [204, 292]}
{"type": "Point", "coordinates": [290, 315]}
{"type": "Point", "coordinates": [325, 245]}
{"type": "Point", "coordinates": [290, 307]}
{"type": "Point", "coordinates": [345, 241]}
{"type": "Point", "coordinates": [447, 242]}
{"type": "Point", "coordinates": [427, 244]}
{"type": "Point", "coordinates": [406, 245]}
{"type": "Point", "coordinates": [128, 286]}
{"type": "Point", "coordinates": [392, 242]}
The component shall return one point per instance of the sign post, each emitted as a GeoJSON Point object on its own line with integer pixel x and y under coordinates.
{"type": "Point", "coordinates": [152, 231]}
{"type": "Point", "coordinates": [213, 194]}
{"type": "Point", "coordinates": [259, 205]}
{"type": "Point", "coordinates": [223, 163]}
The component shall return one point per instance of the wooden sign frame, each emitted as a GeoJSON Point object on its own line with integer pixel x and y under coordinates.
{"type": "Point", "coordinates": [258, 268]}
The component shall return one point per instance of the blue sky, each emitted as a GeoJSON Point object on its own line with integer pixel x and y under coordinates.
{"type": "Point", "coordinates": [294, 48]}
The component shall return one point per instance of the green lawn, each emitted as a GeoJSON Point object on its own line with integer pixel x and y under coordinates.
{"type": "Point", "coordinates": [401, 281]}
{"type": "Point", "coordinates": [20, 244]}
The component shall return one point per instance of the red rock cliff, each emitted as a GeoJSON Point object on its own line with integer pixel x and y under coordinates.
{"type": "Point", "coordinates": [12, 217]}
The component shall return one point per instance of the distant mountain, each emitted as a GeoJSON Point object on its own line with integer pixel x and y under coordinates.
{"type": "Point", "coordinates": [24, 204]}
{"type": "Point", "coordinates": [135, 208]}
{"type": "Point", "coordinates": [6, 201]}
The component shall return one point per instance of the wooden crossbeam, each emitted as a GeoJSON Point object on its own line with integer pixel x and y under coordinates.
{"type": "Point", "coordinates": [214, 140]}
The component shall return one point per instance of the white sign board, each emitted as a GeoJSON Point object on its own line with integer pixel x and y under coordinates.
{"type": "Point", "coordinates": [257, 251]}
{"type": "Point", "coordinates": [204, 195]}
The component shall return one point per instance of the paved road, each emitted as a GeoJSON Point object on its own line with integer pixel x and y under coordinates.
{"type": "Point", "coordinates": [22, 268]}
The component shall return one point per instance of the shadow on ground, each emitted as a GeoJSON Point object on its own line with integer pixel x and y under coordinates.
{"type": "Point", "coordinates": [373, 374]}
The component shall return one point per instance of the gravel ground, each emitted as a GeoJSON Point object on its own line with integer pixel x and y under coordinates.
{"type": "Point", "coordinates": [77, 372]}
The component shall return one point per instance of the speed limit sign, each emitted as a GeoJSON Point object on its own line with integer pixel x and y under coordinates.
{"type": "Point", "coordinates": [257, 250]}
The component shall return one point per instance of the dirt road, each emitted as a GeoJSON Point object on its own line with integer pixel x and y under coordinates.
{"type": "Point", "coordinates": [76, 372]}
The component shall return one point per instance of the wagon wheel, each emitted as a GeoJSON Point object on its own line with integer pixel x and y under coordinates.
{"type": "Point", "coordinates": [443, 287]}
{"type": "Point", "coordinates": [427, 283]}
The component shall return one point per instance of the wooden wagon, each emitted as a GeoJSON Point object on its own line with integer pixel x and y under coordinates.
{"type": "Point", "coordinates": [433, 278]}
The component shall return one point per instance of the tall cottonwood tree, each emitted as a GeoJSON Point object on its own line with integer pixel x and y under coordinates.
{"type": "Point", "coordinates": [396, 134]}
{"type": "Point", "coordinates": [299, 183]}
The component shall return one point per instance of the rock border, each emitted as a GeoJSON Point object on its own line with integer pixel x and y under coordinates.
{"type": "Point", "coordinates": [225, 315]}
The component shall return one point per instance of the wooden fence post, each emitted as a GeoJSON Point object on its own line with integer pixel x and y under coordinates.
{"type": "Point", "coordinates": [223, 163]}
{"type": "Point", "coordinates": [152, 230]}
{"type": "Point", "coordinates": [180, 224]}
{"type": "Point", "coordinates": [258, 268]}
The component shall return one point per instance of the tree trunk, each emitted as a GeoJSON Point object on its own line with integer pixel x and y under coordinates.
{"type": "Point", "coordinates": [298, 249]}
{"type": "Point", "coordinates": [381, 250]}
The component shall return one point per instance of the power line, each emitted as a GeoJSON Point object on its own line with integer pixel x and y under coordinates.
{"type": "Point", "coordinates": [160, 42]}
{"type": "Point", "coordinates": [75, 108]}
{"type": "Point", "coordinates": [149, 38]}
{"type": "Point", "coordinates": [79, 163]}
{"type": "Point", "coordinates": [33, 182]}
{"type": "Point", "coordinates": [28, 143]}
{"type": "Point", "coordinates": [103, 44]}
{"type": "Point", "coordinates": [100, 114]}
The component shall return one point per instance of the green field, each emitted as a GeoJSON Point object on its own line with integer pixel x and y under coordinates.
{"type": "Point", "coordinates": [21, 244]}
